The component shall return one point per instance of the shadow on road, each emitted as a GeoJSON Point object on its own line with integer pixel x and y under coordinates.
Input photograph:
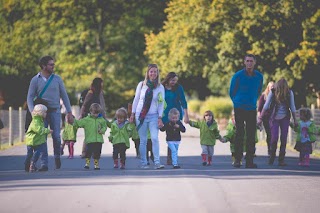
{"type": "Point", "coordinates": [11, 169]}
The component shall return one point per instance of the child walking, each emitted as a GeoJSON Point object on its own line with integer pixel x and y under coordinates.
{"type": "Point", "coordinates": [36, 137]}
{"type": "Point", "coordinates": [209, 132]}
{"type": "Point", "coordinates": [120, 134]}
{"type": "Point", "coordinates": [94, 128]}
{"type": "Point", "coordinates": [306, 135]}
{"type": "Point", "coordinates": [231, 136]}
{"type": "Point", "coordinates": [173, 128]}
{"type": "Point", "coordinates": [69, 135]}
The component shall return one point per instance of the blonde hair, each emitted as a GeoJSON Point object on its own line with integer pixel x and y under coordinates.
{"type": "Point", "coordinates": [95, 108]}
{"type": "Point", "coordinates": [306, 112]}
{"type": "Point", "coordinates": [173, 112]}
{"type": "Point", "coordinates": [268, 89]}
{"type": "Point", "coordinates": [146, 77]}
{"type": "Point", "coordinates": [122, 113]}
{"type": "Point", "coordinates": [39, 110]}
{"type": "Point", "coordinates": [281, 91]}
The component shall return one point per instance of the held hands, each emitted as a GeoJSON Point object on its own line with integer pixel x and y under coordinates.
{"type": "Point", "coordinates": [70, 118]}
{"type": "Point", "coordinates": [131, 119]}
{"type": "Point", "coordinates": [222, 140]}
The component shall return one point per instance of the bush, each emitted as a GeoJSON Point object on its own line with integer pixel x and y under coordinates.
{"type": "Point", "coordinates": [194, 106]}
{"type": "Point", "coordinates": [220, 106]}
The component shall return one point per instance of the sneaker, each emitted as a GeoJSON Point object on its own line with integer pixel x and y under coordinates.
{"type": "Point", "coordinates": [96, 168]}
{"type": "Point", "coordinates": [176, 167]}
{"type": "Point", "coordinates": [122, 167]}
{"type": "Point", "coordinates": [158, 166]}
{"type": "Point", "coordinates": [144, 167]}
{"type": "Point", "coordinates": [148, 163]}
{"type": "Point", "coordinates": [43, 169]}
{"type": "Point", "coordinates": [86, 166]}
{"type": "Point", "coordinates": [204, 163]}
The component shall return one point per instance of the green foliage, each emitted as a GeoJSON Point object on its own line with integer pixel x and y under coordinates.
{"type": "Point", "coordinates": [210, 39]}
{"type": "Point", "coordinates": [221, 107]}
{"type": "Point", "coordinates": [194, 105]}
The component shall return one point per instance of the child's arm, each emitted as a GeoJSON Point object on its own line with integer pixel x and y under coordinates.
{"type": "Point", "coordinates": [195, 124]}
{"type": "Point", "coordinates": [108, 123]}
{"type": "Point", "coordinates": [102, 127]}
{"type": "Point", "coordinates": [162, 129]}
{"type": "Point", "coordinates": [294, 127]}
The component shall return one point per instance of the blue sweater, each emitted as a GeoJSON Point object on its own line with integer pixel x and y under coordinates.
{"type": "Point", "coordinates": [174, 99]}
{"type": "Point", "coordinates": [245, 90]}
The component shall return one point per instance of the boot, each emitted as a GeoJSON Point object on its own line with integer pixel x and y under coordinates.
{"type": "Point", "coordinates": [249, 163]}
{"type": "Point", "coordinates": [122, 164]}
{"type": "Point", "coordinates": [281, 159]}
{"type": "Point", "coordinates": [87, 165]}
{"type": "Point", "coordinates": [204, 159]}
{"type": "Point", "coordinates": [209, 161]}
{"type": "Point", "coordinates": [272, 158]}
{"type": "Point", "coordinates": [96, 164]}
{"type": "Point", "coordinates": [307, 160]}
{"type": "Point", "coordinates": [58, 163]}
{"type": "Point", "coordinates": [169, 158]}
{"type": "Point", "coordinates": [115, 163]}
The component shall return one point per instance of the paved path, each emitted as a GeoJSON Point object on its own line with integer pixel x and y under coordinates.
{"type": "Point", "coordinates": [194, 188]}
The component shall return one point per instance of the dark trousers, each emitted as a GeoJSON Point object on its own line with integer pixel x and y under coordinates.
{"type": "Point", "coordinates": [245, 119]}
{"type": "Point", "coordinates": [149, 150]}
{"type": "Point", "coordinates": [33, 153]}
{"type": "Point", "coordinates": [94, 150]}
{"type": "Point", "coordinates": [136, 145]}
{"type": "Point", "coordinates": [119, 149]}
{"type": "Point", "coordinates": [266, 125]}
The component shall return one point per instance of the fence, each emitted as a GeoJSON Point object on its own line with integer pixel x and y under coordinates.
{"type": "Point", "coordinates": [13, 121]}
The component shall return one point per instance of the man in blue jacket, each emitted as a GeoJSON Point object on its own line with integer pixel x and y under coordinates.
{"type": "Point", "coordinates": [245, 89]}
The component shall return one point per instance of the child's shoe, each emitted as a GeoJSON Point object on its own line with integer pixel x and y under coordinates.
{"type": "Point", "coordinates": [115, 164]}
{"type": "Point", "coordinates": [86, 166]}
{"type": "Point", "coordinates": [158, 166]}
{"type": "Point", "coordinates": [96, 167]}
{"type": "Point", "coordinates": [307, 161]}
{"type": "Point", "coordinates": [122, 165]}
{"type": "Point", "coordinates": [176, 167]}
{"type": "Point", "coordinates": [209, 161]}
{"type": "Point", "coordinates": [204, 159]}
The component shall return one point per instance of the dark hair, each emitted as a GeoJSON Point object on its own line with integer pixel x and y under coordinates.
{"type": "Point", "coordinates": [250, 55]}
{"type": "Point", "coordinates": [306, 112]}
{"type": "Point", "coordinates": [96, 85]}
{"type": "Point", "coordinates": [44, 60]}
{"type": "Point", "coordinates": [170, 76]}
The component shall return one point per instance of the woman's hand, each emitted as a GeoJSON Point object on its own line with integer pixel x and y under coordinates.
{"type": "Point", "coordinates": [160, 124]}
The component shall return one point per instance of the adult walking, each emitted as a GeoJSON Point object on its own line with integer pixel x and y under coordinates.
{"type": "Point", "coordinates": [281, 105]}
{"type": "Point", "coordinates": [147, 110]}
{"type": "Point", "coordinates": [265, 120]}
{"type": "Point", "coordinates": [54, 91]}
{"type": "Point", "coordinates": [175, 98]}
{"type": "Point", "coordinates": [245, 88]}
{"type": "Point", "coordinates": [94, 95]}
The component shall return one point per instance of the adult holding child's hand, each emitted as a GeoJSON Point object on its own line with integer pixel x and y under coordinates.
{"type": "Point", "coordinates": [175, 98]}
{"type": "Point", "coordinates": [147, 110]}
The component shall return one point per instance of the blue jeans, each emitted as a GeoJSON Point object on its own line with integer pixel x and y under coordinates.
{"type": "Point", "coordinates": [174, 147]}
{"type": "Point", "coordinates": [33, 152]}
{"type": "Point", "coordinates": [150, 123]}
{"type": "Point", "coordinates": [53, 119]}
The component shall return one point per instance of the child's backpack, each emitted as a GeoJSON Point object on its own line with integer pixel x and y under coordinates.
{"type": "Point", "coordinates": [82, 97]}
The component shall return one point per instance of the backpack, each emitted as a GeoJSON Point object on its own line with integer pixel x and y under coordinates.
{"type": "Point", "coordinates": [82, 97]}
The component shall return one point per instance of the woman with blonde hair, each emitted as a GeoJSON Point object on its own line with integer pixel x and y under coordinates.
{"type": "Point", "coordinates": [265, 120]}
{"type": "Point", "coordinates": [147, 109]}
{"type": "Point", "coordinates": [281, 105]}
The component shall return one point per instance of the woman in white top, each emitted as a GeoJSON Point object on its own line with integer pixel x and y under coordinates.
{"type": "Point", "coordinates": [147, 109]}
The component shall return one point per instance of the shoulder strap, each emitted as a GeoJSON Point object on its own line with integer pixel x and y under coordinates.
{"type": "Point", "coordinates": [46, 86]}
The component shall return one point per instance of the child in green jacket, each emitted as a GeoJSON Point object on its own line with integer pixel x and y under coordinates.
{"type": "Point", "coordinates": [209, 132]}
{"type": "Point", "coordinates": [306, 135]}
{"type": "Point", "coordinates": [94, 128]}
{"type": "Point", "coordinates": [231, 135]}
{"type": "Point", "coordinates": [69, 137]}
{"type": "Point", "coordinates": [36, 136]}
{"type": "Point", "coordinates": [121, 131]}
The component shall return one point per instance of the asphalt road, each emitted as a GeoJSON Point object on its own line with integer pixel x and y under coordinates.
{"type": "Point", "coordinates": [193, 188]}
